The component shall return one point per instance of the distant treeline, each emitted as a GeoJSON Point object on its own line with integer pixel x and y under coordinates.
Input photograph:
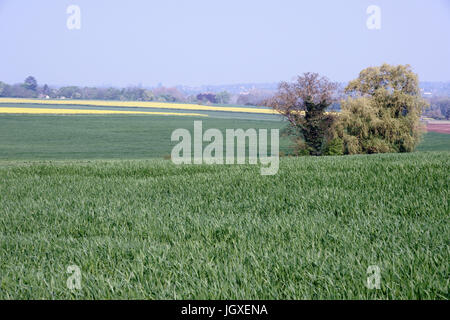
{"type": "Point", "coordinates": [31, 89]}
{"type": "Point", "coordinates": [439, 105]}
{"type": "Point", "coordinates": [439, 108]}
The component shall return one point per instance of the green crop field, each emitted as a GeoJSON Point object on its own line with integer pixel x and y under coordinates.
{"type": "Point", "coordinates": [82, 190]}
{"type": "Point", "coordinates": [434, 141]}
{"type": "Point", "coordinates": [103, 137]}
{"type": "Point", "coordinates": [27, 137]}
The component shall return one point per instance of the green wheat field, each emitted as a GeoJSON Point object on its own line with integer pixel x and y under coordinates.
{"type": "Point", "coordinates": [96, 192]}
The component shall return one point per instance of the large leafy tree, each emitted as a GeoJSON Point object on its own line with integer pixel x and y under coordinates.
{"type": "Point", "coordinates": [303, 103]}
{"type": "Point", "coordinates": [223, 97]}
{"type": "Point", "coordinates": [3, 89]}
{"type": "Point", "coordinates": [30, 83]}
{"type": "Point", "coordinates": [46, 90]}
{"type": "Point", "coordinates": [383, 111]}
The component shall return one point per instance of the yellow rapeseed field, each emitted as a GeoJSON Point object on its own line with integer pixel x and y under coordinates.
{"type": "Point", "coordinates": [139, 104]}
{"type": "Point", "coordinates": [90, 111]}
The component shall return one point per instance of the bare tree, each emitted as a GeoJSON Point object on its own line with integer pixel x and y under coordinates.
{"type": "Point", "coordinates": [303, 104]}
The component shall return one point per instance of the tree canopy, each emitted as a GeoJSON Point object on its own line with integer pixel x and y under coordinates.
{"type": "Point", "coordinates": [31, 83]}
{"type": "Point", "coordinates": [383, 110]}
{"type": "Point", "coordinates": [303, 104]}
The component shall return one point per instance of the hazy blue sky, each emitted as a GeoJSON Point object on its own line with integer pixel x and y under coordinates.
{"type": "Point", "coordinates": [195, 42]}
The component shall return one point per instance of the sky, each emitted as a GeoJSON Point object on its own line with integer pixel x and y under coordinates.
{"type": "Point", "coordinates": [211, 42]}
